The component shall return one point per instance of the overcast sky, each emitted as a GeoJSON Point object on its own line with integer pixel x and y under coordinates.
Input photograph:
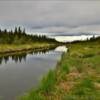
{"type": "Point", "coordinates": [52, 16]}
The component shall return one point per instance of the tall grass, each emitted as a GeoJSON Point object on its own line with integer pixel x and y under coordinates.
{"type": "Point", "coordinates": [33, 95]}
{"type": "Point", "coordinates": [84, 90]}
{"type": "Point", "coordinates": [48, 82]}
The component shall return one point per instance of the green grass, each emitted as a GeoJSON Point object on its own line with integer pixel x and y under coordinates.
{"type": "Point", "coordinates": [46, 87]}
{"type": "Point", "coordinates": [9, 48]}
{"type": "Point", "coordinates": [77, 76]}
{"type": "Point", "coordinates": [48, 82]}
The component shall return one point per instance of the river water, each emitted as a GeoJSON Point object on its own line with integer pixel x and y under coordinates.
{"type": "Point", "coordinates": [19, 73]}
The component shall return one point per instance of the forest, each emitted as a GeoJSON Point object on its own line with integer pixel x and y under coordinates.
{"type": "Point", "coordinates": [19, 36]}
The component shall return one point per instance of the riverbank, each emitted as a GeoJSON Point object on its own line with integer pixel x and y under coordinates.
{"type": "Point", "coordinates": [77, 76]}
{"type": "Point", "coordinates": [8, 49]}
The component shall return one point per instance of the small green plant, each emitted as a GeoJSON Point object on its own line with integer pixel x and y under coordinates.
{"type": "Point", "coordinates": [65, 69]}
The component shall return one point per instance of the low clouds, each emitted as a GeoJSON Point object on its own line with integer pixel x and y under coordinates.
{"type": "Point", "coordinates": [69, 31]}
{"type": "Point", "coordinates": [54, 17]}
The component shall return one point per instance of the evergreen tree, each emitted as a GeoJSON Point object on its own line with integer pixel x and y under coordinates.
{"type": "Point", "coordinates": [20, 37]}
{"type": "Point", "coordinates": [19, 30]}
{"type": "Point", "coordinates": [15, 30]}
{"type": "Point", "coordinates": [24, 32]}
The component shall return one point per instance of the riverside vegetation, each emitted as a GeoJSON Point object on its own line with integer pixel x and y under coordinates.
{"type": "Point", "coordinates": [77, 76]}
{"type": "Point", "coordinates": [18, 40]}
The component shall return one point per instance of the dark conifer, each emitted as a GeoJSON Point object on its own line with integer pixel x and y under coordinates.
{"type": "Point", "coordinates": [20, 37]}
{"type": "Point", "coordinates": [15, 30]}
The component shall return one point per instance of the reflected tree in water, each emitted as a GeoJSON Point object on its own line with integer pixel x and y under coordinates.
{"type": "Point", "coordinates": [18, 57]}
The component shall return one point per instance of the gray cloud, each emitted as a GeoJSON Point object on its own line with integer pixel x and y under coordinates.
{"type": "Point", "coordinates": [52, 16]}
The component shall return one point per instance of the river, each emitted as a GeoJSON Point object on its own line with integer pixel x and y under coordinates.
{"type": "Point", "coordinates": [19, 73]}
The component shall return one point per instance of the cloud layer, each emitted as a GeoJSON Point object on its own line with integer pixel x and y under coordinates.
{"type": "Point", "coordinates": [53, 17]}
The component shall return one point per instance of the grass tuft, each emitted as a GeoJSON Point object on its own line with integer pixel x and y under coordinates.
{"type": "Point", "coordinates": [48, 82]}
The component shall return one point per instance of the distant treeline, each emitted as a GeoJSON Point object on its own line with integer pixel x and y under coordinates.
{"type": "Point", "coordinates": [19, 36]}
{"type": "Point", "coordinates": [93, 39]}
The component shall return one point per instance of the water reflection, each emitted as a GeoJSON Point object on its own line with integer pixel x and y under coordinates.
{"type": "Point", "coordinates": [18, 57]}
{"type": "Point", "coordinates": [20, 72]}
{"type": "Point", "coordinates": [61, 49]}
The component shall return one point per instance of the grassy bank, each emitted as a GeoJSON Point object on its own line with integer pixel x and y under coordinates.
{"type": "Point", "coordinates": [77, 76]}
{"type": "Point", "coordinates": [7, 48]}
{"type": "Point", "coordinates": [18, 40]}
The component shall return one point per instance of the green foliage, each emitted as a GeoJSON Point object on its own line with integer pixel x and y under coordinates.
{"type": "Point", "coordinates": [65, 69]}
{"type": "Point", "coordinates": [33, 95]}
{"type": "Point", "coordinates": [85, 87]}
{"type": "Point", "coordinates": [74, 97]}
{"type": "Point", "coordinates": [48, 82]}
{"type": "Point", "coordinates": [20, 37]}
{"type": "Point", "coordinates": [85, 90]}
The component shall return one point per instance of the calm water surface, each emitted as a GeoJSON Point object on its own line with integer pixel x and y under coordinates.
{"type": "Point", "coordinates": [21, 72]}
